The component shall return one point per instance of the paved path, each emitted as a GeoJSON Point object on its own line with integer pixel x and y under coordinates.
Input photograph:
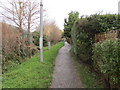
{"type": "Point", "coordinates": [65, 75]}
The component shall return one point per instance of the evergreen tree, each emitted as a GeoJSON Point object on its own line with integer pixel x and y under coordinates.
{"type": "Point", "coordinates": [68, 24]}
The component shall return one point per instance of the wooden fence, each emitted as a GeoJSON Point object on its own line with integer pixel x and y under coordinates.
{"type": "Point", "coordinates": [114, 34]}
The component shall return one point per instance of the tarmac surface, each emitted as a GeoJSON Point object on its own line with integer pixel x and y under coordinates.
{"type": "Point", "coordinates": [65, 75]}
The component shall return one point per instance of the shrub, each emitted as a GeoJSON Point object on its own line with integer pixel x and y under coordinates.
{"type": "Point", "coordinates": [36, 36]}
{"type": "Point", "coordinates": [84, 30]}
{"type": "Point", "coordinates": [107, 58]}
{"type": "Point", "coordinates": [14, 48]}
{"type": "Point", "coordinates": [83, 37]}
{"type": "Point", "coordinates": [108, 22]}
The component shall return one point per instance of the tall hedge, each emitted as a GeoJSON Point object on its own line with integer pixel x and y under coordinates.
{"type": "Point", "coordinates": [83, 37]}
{"type": "Point", "coordinates": [84, 30]}
{"type": "Point", "coordinates": [107, 59]}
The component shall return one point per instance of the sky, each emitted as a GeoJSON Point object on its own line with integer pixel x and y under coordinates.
{"type": "Point", "coordinates": [58, 10]}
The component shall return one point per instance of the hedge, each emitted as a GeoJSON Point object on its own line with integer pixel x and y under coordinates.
{"type": "Point", "coordinates": [84, 30]}
{"type": "Point", "coordinates": [106, 59]}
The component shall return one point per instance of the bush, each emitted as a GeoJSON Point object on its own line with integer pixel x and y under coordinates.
{"type": "Point", "coordinates": [14, 48]}
{"type": "Point", "coordinates": [84, 30]}
{"type": "Point", "coordinates": [108, 22]}
{"type": "Point", "coordinates": [36, 36]}
{"type": "Point", "coordinates": [83, 37]}
{"type": "Point", "coordinates": [106, 59]}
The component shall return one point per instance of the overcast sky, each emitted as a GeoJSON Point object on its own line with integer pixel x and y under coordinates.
{"type": "Point", "coordinates": [59, 9]}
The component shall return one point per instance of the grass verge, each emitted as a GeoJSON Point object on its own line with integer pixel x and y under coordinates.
{"type": "Point", "coordinates": [88, 78]}
{"type": "Point", "coordinates": [32, 73]}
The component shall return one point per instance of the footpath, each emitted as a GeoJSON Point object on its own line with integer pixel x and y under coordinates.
{"type": "Point", "coordinates": [65, 75]}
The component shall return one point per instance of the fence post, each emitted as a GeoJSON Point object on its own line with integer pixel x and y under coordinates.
{"type": "Point", "coordinates": [49, 45]}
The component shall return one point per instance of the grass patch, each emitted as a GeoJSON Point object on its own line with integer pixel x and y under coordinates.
{"type": "Point", "coordinates": [32, 73]}
{"type": "Point", "coordinates": [45, 48]}
{"type": "Point", "coordinates": [88, 78]}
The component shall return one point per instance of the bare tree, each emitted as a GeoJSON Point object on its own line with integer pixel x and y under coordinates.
{"type": "Point", "coordinates": [15, 13]}
{"type": "Point", "coordinates": [24, 14]}
{"type": "Point", "coordinates": [52, 31]}
{"type": "Point", "coordinates": [32, 16]}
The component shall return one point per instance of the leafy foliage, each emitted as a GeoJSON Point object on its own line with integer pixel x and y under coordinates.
{"type": "Point", "coordinates": [83, 37]}
{"type": "Point", "coordinates": [68, 24]}
{"type": "Point", "coordinates": [107, 58]}
{"type": "Point", "coordinates": [36, 36]}
{"type": "Point", "coordinates": [108, 22]}
{"type": "Point", "coordinates": [104, 56]}
{"type": "Point", "coordinates": [84, 30]}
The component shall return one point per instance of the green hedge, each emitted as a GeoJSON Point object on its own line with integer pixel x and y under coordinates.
{"type": "Point", "coordinates": [108, 22]}
{"type": "Point", "coordinates": [83, 37]}
{"type": "Point", "coordinates": [107, 59]}
{"type": "Point", "coordinates": [84, 30]}
{"type": "Point", "coordinates": [104, 56]}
